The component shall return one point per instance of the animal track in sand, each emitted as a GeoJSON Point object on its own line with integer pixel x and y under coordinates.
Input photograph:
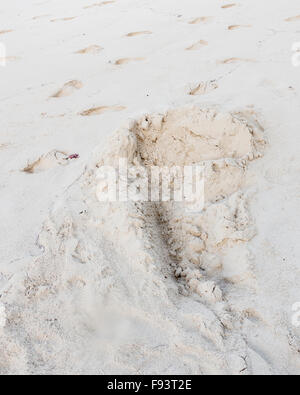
{"type": "Point", "coordinates": [69, 88]}
{"type": "Point", "coordinates": [200, 44]}
{"type": "Point", "coordinates": [226, 6]}
{"type": "Point", "coordinates": [203, 88]}
{"type": "Point", "coordinates": [99, 4]}
{"type": "Point", "coordinates": [235, 27]}
{"type": "Point", "coordinates": [122, 61]}
{"type": "Point", "coordinates": [5, 31]}
{"type": "Point", "coordinates": [92, 49]}
{"type": "Point", "coordinates": [100, 110]}
{"type": "Point", "coordinates": [202, 19]}
{"type": "Point", "coordinates": [134, 34]}
{"type": "Point", "coordinates": [293, 19]}
{"type": "Point", "coordinates": [46, 162]}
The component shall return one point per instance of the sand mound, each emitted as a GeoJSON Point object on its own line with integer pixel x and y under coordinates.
{"type": "Point", "coordinates": [197, 243]}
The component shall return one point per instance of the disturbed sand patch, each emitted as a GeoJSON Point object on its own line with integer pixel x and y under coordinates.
{"type": "Point", "coordinates": [156, 268]}
{"type": "Point", "coordinates": [224, 145]}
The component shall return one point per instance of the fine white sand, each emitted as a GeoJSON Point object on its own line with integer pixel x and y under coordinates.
{"type": "Point", "coordinates": [147, 288]}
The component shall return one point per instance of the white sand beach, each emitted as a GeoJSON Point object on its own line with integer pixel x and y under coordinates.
{"type": "Point", "coordinates": [91, 287]}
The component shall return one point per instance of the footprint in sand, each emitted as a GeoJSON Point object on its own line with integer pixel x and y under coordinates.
{"type": "Point", "coordinates": [100, 110]}
{"type": "Point", "coordinates": [236, 60]}
{"type": "Point", "coordinates": [92, 49]}
{"type": "Point", "coordinates": [122, 61]}
{"type": "Point", "coordinates": [134, 34]}
{"type": "Point", "coordinates": [200, 44]}
{"type": "Point", "coordinates": [70, 18]}
{"type": "Point", "coordinates": [48, 161]}
{"type": "Point", "coordinates": [226, 6]}
{"type": "Point", "coordinates": [202, 19]}
{"type": "Point", "coordinates": [69, 88]}
{"type": "Point", "coordinates": [99, 4]}
{"type": "Point", "coordinates": [235, 27]}
{"type": "Point", "coordinates": [203, 88]}
{"type": "Point", "coordinates": [5, 31]}
{"type": "Point", "coordinates": [293, 19]}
